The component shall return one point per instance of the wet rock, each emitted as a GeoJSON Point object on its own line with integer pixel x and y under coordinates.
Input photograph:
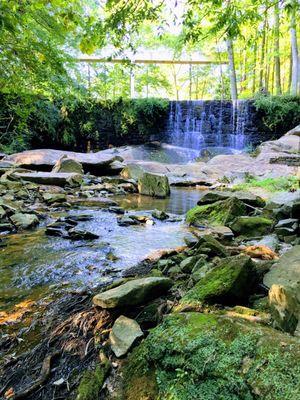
{"type": "Point", "coordinates": [187, 264]}
{"type": "Point", "coordinates": [155, 185]}
{"type": "Point", "coordinates": [247, 197]}
{"type": "Point", "coordinates": [55, 231]}
{"type": "Point", "coordinates": [287, 227]}
{"type": "Point", "coordinates": [161, 215]}
{"type": "Point", "coordinates": [78, 234]}
{"type": "Point", "coordinates": [231, 281]}
{"type": "Point", "coordinates": [270, 241]}
{"type": "Point", "coordinates": [251, 226]}
{"type": "Point", "coordinates": [218, 213]}
{"type": "Point", "coordinates": [6, 227]}
{"type": "Point", "coordinates": [51, 178]}
{"type": "Point", "coordinates": [24, 221]}
{"type": "Point", "coordinates": [127, 220]}
{"type": "Point", "coordinates": [116, 210]}
{"type": "Point", "coordinates": [66, 164]}
{"type": "Point", "coordinates": [287, 271]}
{"type": "Point", "coordinates": [124, 333]}
{"type": "Point", "coordinates": [134, 292]}
{"type": "Point", "coordinates": [285, 308]}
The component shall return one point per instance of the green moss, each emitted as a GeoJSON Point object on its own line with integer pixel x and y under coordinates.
{"type": "Point", "coordinates": [252, 226]}
{"type": "Point", "coordinates": [231, 280]}
{"type": "Point", "coordinates": [270, 184]}
{"type": "Point", "coordinates": [207, 357]}
{"type": "Point", "coordinates": [92, 382]}
{"type": "Point", "coordinates": [219, 213]}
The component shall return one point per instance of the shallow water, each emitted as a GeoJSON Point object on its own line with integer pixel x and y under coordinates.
{"type": "Point", "coordinates": [33, 263]}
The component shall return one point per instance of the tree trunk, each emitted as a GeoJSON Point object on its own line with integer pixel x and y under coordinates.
{"type": "Point", "coordinates": [277, 49]}
{"type": "Point", "coordinates": [254, 67]}
{"type": "Point", "coordinates": [232, 72]}
{"type": "Point", "coordinates": [295, 57]}
{"type": "Point", "coordinates": [262, 55]}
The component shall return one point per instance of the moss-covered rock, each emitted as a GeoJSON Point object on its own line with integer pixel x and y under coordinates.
{"type": "Point", "coordinates": [155, 185]}
{"type": "Point", "coordinates": [212, 247]}
{"type": "Point", "coordinates": [251, 226]}
{"type": "Point", "coordinates": [231, 281]}
{"type": "Point", "coordinates": [219, 213]}
{"type": "Point", "coordinates": [193, 356]}
{"type": "Point", "coordinates": [92, 382]}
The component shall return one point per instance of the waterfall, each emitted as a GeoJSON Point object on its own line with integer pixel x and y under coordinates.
{"type": "Point", "coordinates": [199, 124]}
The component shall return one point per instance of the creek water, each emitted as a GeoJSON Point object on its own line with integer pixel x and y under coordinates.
{"type": "Point", "coordinates": [33, 264]}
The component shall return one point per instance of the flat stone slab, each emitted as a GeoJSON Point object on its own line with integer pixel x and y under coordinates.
{"type": "Point", "coordinates": [132, 293]}
{"type": "Point", "coordinates": [45, 159]}
{"type": "Point", "coordinates": [124, 333]}
{"type": "Point", "coordinates": [91, 201]}
{"type": "Point", "coordinates": [50, 178]}
{"type": "Point", "coordinates": [214, 195]}
{"type": "Point", "coordinates": [287, 271]}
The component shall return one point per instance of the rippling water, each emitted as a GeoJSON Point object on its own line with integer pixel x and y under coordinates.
{"type": "Point", "coordinates": [32, 262]}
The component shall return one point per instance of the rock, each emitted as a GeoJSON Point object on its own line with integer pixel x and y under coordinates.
{"type": "Point", "coordinates": [116, 210]}
{"type": "Point", "coordinates": [285, 308]}
{"type": "Point", "coordinates": [219, 213]}
{"type": "Point", "coordinates": [132, 171]}
{"type": "Point", "coordinates": [287, 271]}
{"type": "Point", "coordinates": [161, 215]}
{"type": "Point", "coordinates": [207, 244]}
{"type": "Point", "coordinates": [270, 241]}
{"type": "Point", "coordinates": [211, 356]}
{"type": "Point", "coordinates": [295, 131]}
{"type": "Point", "coordinates": [77, 234]}
{"type": "Point", "coordinates": [51, 198]}
{"type": "Point", "coordinates": [92, 201]}
{"type": "Point", "coordinates": [65, 164]}
{"type": "Point", "coordinates": [45, 159]}
{"type": "Point", "coordinates": [51, 178]}
{"type": "Point", "coordinates": [24, 221]}
{"type": "Point", "coordinates": [127, 220]}
{"type": "Point", "coordinates": [251, 226]}
{"type": "Point", "coordinates": [155, 185]}
{"type": "Point", "coordinates": [187, 264]}
{"type": "Point", "coordinates": [132, 293]}
{"type": "Point", "coordinates": [124, 333]}
{"type": "Point", "coordinates": [212, 196]}
{"type": "Point", "coordinates": [287, 227]}
{"type": "Point", "coordinates": [230, 282]}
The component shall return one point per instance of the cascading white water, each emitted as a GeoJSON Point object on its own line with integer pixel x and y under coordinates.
{"type": "Point", "coordinates": [205, 124]}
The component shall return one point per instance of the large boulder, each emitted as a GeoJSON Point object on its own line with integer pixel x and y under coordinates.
{"type": "Point", "coordinates": [285, 307]}
{"type": "Point", "coordinates": [24, 221]}
{"type": "Point", "coordinates": [219, 213]}
{"type": "Point", "coordinates": [294, 131]}
{"type": "Point", "coordinates": [155, 185]}
{"type": "Point", "coordinates": [231, 281]}
{"type": "Point", "coordinates": [44, 159]}
{"type": "Point", "coordinates": [211, 196]}
{"type": "Point", "coordinates": [132, 293]}
{"type": "Point", "coordinates": [124, 333]}
{"type": "Point", "coordinates": [287, 271]}
{"type": "Point", "coordinates": [210, 356]}
{"type": "Point", "coordinates": [251, 226]}
{"type": "Point", "coordinates": [51, 178]}
{"type": "Point", "coordinates": [132, 171]}
{"type": "Point", "coordinates": [66, 164]}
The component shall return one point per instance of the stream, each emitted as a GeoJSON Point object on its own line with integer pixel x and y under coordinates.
{"type": "Point", "coordinates": [33, 264]}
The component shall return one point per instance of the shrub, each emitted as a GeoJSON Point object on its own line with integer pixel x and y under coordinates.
{"type": "Point", "coordinates": [278, 113]}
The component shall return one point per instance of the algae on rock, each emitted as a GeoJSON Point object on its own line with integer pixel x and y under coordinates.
{"type": "Point", "coordinates": [219, 213]}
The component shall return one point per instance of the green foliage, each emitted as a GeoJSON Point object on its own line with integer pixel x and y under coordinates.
{"type": "Point", "coordinates": [204, 357]}
{"type": "Point", "coordinates": [279, 113]}
{"type": "Point", "coordinates": [270, 184]}
{"type": "Point", "coordinates": [36, 122]}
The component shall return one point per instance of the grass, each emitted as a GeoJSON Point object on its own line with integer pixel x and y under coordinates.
{"type": "Point", "coordinates": [270, 184]}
